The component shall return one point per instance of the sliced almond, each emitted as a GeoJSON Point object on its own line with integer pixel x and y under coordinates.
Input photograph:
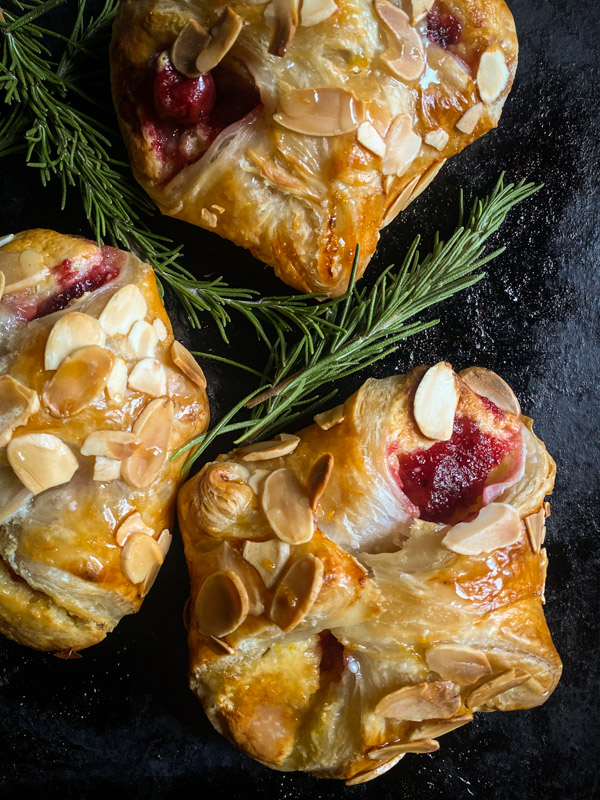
{"type": "Point", "coordinates": [405, 57]}
{"type": "Point", "coordinates": [487, 384]}
{"type": "Point", "coordinates": [492, 74]}
{"type": "Point", "coordinates": [468, 122]}
{"type": "Point", "coordinates": [536, 529]}
{"type": "Point", "coordinates": [420, 9]}
{"type": "Point", "coordinates": [13, 495]}
{"type": "Point", "coordinates": [110, 444]}
{"type": "Point", "coordinates": [185, 361]}
{"type": "Point", "coordinates": [439, 700]}
{"type": "Point", "coordinates": [160, 328]}
{"type": "Point", "coordinates": [139, 556]}
{"type": "Point", "coordinates": [142, 339]}
{"type": "Point", "coordinates": [222, 646]}
{"type": "Point", "coordinates": [371, 774]}
{"type": "Point", "coordinates": [286, 505]}
{"type": "Point", "coordinates": [401, 202]}
{"type": "Point", "coordinates": [153, 429]}
{"type": "Point", "coordinates": [327, 111]}
{"type": "Point", "coordinates": [223, 36]}
{"type": "Point", "coordinates": [284, 14]}
{"type": "Point", "coordinates": [148, 376]}
{"type": "Point", "coordinates": [313, 12]}
{"type": "Point", "coordinates": [282, 445]}
{"type": "Point", "coordinates": [41, 461]}
{"type": "Point", "coordinates": [497, 525]}
{"type": "Point", "coordinates": [391, 750]}
{"type": "Point", "coordinates": [369, 137]}
{"type": "Point", "coordinates": [71, 332]}
{"type": "Point", "coordinates": [125, 307]}
{"type": "Point", "coordinates": [78, 381]}
{"type": "Point", "coordinates": [402, 146]}
{"type": "Point", "coordinates": [2, 284]}
{"type": "Point", "coordinates": [218, 209]}
{"type": "Point", "coordinates": [297, 592]}
{"type": "Point", "coordinates": [209, 217]}
{"type": "Point", "coordinates": [164, 540]}
{"type": "Point", "coordinates": [131, 524]}
{"type": "Point", "coordinates": [329, 419]}
{"type": "Point", "coordinates": [190, 42]}
{"type": "Point", "coordinates": [458, 663]}
{"type": "Point", "coordinates": [435, 403]}
{"type": "Point", "coordinates": [106, 469]}
{"type": "Point", "coordinates": [221, 605]}
{"type": "Point", "coordinates": [318, 478]}
{"type": "Point", "coordinates": [547, 510]}
{"type": "Point", "coordinates": [431, 730]}
{"type": "Point", "coordinates": [268, 558]}
{"type": "Point", "coordinates": [231, 560]}
{"type": "Point", "coordinates": [437, 138]}
{"type": "Point", "coordinates": [256, 480]}
{"type": "Point", "coordinates": [17, 403]}
{"type": "Point", "coordinates": [426, 178]}
{"type": "Point", "coordinates": [21, 270]}
{"type": "Point", "coordinates": [500, 683]}
{"type": "Point", "coordinates": [116, 385]}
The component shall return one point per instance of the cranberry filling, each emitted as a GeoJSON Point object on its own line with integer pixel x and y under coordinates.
{"type": "Point", "coordinates": [443, 29]}
{"type": "Point", "coordinates": [182, 99]}
{"type": "Point", "coordinates": [446, 481]}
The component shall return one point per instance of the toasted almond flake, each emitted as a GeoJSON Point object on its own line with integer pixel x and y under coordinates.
{"type": "Point", "coordinates": [401, 202]}
{"type": "Point", "coordinates": [283, 15]}
{"type": "Point", "coordinates": [208, 217]}
{"type": "Point", "coordinates": [391, 750]}
{"type": "Point", "coordinates": [287, 508]}
{"type": "Point", "coordinates": [17, 403]}
{"type": "Point", "coordinates": [78, 381]}
{"type": "Point", "coordinates": [420, 9]}
{"type": "Point", "coordinates": [142, 339]}
{"type": "Point", "coordinates": [71, 332]}
{"type": "Point", "coordinates": [497, 685]}
{"type": "Point", "coordinates": [110, 444]}
{"type": "Point", "coordinates": [21, 270]}
{"type": "Point", "coordinates": [13, 495]}
{"type": "Point", "coordinates": [536, 529]}
{"type": "Point", "coordinates": [164, 540]}
{"type": "Point", "coordinates": [313, 12]}
{"type": "Point", "coordinates": [329, 419]}
{"type": "Point", "coordinates": [222, 604]}
{"type": "Point", "coordinates": [458, 663]}
{"type": "Point", "coordinates": [436, 700]}
{"type": "Point", "coordinates": [223, 36]}
{"type": "Point", "coordinates": [402, 146]}
{"type": "Point", "coordinates": [230, 559]}
{"type": "Point", "coordinates": [426, 178]}
{"type": "Point", "coordinates": [153, 429]}
{"type": "Point", "coordinates": [116, 385]}
{"type": "Point", "coordinates": [468, 122]}
{"type": "Point", "coordinates": [405, 57]}
{"type": "Point", "coordinates": [148, 376]}
{"type": "Point", "coordinates": [437, 138]}
{"type": "Point", "coordinates": [297, 592]}
{"type": "Point", "coordinates": [106, 469]}
{"type": "Point", "coordinates": [2, 284]}
{"type": "Point", "coordinates": [435, 403]}
{"type": "Point", "coordinates": [218, 209]}
{"type": "Point", "coordinates": [547, 510]}
{"type": "Point", "coordinates": [222, 646]}
{"type": "Point", "coordinates": [371, 774]}
{"type": "Point", "coordinates": [185, 361]}
{"type": "Point", "coordinates": [282, 445]}
{"type": "Point", "coordinates": [190, 42]}
{"type": "Point", "coordinates": [41, 461]}
{"type": "Point", "coordinates": [487, 384]}
{"type": "Point", "coordinates": [431, 730]}
{"type": "Point", "coordinates": [160, 328]}
{"type": "Point", "coordinates": [492, 74]}
{"type": "Point", "coordinates": [139, 556]}
{"type": "Point", "coordinates": [496, 525]}
{"type": "Point", "coordinates": [318, 478]}
{"type": "Point", "coordinates": [125, 307]}
{"type": "Point", "coordinates": [131, 524]}
{"type": "Point", "coordinates": [327, 111]}
{"type": "Point", "coordinates": [268, 558]}
{"type": "Point", "coordinates": [256, 480]}
{"type": "Point", "coordinates": [368, 136]}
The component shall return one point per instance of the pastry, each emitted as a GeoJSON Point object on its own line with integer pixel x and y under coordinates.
{"type": "Point", "coordinates": [94, 396]}
{"type": "Point", "coordinates": [364, 587]}
{"type": "Point", "coordinates": [297, 129]}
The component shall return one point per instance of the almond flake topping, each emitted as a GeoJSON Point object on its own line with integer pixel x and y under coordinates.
{"type": "Point", "coordinates": [430, 730]}
{"type": "Point", "coordinates": [371, 774]}
{"type": "Point", "coordinates": [153, 429]}
{"type": "Point", "coordinates": [190, 42]}
{"type": "Point", "coordinates": [164, 542]}
{"type": "Point", "coordinates": [209, 217]}
{"type": "Point", "coordinates": [160, 328]}
{"type": "Point", "coordinates": [468, 122]}
{"type": "Point", "coordinates": [223, 35]}
{"type": "Point", "coordinates": [320, 112]}
{"type": "Point", "coordinates": [547, 509]}
{"type": "Point", "coordinates": [405, 57]}
{"type": "Point", "coordinates": [286, 505]}
{"type": "Point", "coordinates": [318, 478]}
{"type": "Point", "coordinates": [132, 524]}
{"type": "Point", "coordinates": [2, 284]}
{"type": "Point", "coordinates": [230, 559]}
{"type": "Point", "coordinates": [500, 683]}
{"type": "Point", "coordinates": [315, 11]}
{"type": "Point", "coordinates": [426, 178]}
{"type": "Point", "coordinates": [458, 663]}
{"type": "Point", "coordinates": [116, 384]}
{"type": "Point", "coordinates": [142, 339]}
{"type": "Point", "coordinates": [71, 332]}
{"type": "Point", "coordinates": [328, 419]}
{"type": "Point", "coordinates": [13, 495]}
{"type": "Point", "coordinates": [536, 529]}
{"type": "Point", "coordinates": [21, 270]}
{"type": "Point", "coordinates": [148, 376]}
{"type": "Point", "coordinates": [420, 9]}
{"type": "Point", "coordinates": [106, 469]}
{"type": "Point", "coordinates": [17, 403]}
{"type": "Point", "coordinates": [222, 646]}
{"type": "Point", "coordinates": [402, 146]}
{"type": "Point", "coordinates": [435, 403]}
{"type": "Point", "coordinates": [487, 384]}
{"type": "Point", "coordinates": [110, 444]}
{"type": "Point", "coordinates": [401, 202]}
{"type": "Point", "coordinates": [297, 592]}
{"type": "Point", "coordinates": [125, 307]}
{"type": "Point", "coordinates": [268, 558]}
{"type": "Point", "coordinates": [221, 605]}
{"type": "Point", "coordinates": [421, 701]}
{"type": "Point", "coordinates": [497, 525]}
{"type": "Point", "coordinates": [139, 556]}
{"type": "Point", "coordinates": [41, 461]}
{"type": "Point", "coordinates": [492, 74]}
{"type": "Point", "coordinates": [437, 138]}
{"type": "Point", "coordinates": [185, 361]}
{"type": "Point", "coordinates": [78, 381]}
{"type": "Point", "coordinates": [369, 137]}
{"type": "Point", "coordinates": [282, 445]}
{"type": "Point", "coordinates": [284, 14]}
{"type": "Point", "coordinates": [391, 750]}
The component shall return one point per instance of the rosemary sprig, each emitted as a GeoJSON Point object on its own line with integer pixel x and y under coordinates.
{"type": "Point", "coordinates": [367, 324]}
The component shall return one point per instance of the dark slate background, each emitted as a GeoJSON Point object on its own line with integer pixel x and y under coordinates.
{"type": "Point", "coordinates": [121, 721]}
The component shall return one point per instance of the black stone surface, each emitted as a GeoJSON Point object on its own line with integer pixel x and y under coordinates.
{"type": "Point", "coordinates": [121, 722]}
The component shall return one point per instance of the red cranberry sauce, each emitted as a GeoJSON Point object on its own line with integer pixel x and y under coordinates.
{"type": "Point", "coordinates": [446, 481]}
{"type": "Point", "coordinates": [442, 28]}
{"type": "Point", "coordinates": [182, 99]}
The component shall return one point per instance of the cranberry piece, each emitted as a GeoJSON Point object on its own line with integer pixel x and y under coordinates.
{"type": "Point", "coordinates": [179, 98]}
{"type": "Point", "coordinates": [443, 29]}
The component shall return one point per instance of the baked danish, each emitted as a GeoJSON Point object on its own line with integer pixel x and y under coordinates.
{"type": "Point", "coordinates": [94, 395]}
{"type": "Point", "coordinates": [297, 128]}
{"type": "Point", "coordinates": [364, 587]}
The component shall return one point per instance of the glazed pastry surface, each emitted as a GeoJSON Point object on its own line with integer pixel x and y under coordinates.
{"type": "Point", "coordinates": [316, 126]}
{"type": "Point", "coordinates": [92, 405]}
{"type": "Point", "coordinates": [364, 587]}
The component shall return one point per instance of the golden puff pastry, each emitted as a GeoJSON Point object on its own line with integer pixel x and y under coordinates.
{"type": "Point", "coordinates": [94, 396]}
{"type": "Point", "coordinates": [364, 587]}
{"type": "Point", "coordinates": [297, 128]}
